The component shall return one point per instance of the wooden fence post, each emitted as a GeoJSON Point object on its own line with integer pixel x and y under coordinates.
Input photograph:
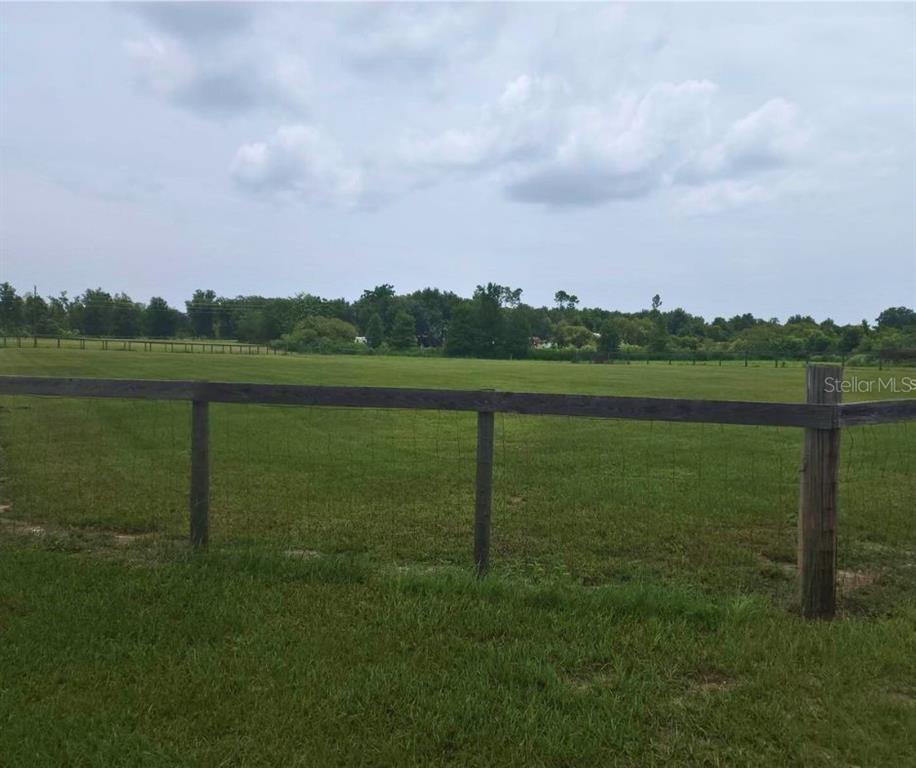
{"type": "Point", "coordinates": [817, 515]}
{"type": "Point", "coordinates": [484, 492]}
{"type": "Point", "coordinates": [200, 474]}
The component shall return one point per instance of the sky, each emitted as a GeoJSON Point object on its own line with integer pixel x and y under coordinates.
{"type": "Point", "coordinates": [731, 158]}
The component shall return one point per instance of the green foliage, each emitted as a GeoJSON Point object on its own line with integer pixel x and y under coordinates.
{"type": "Point", "coordinates": [159, 319]}
{"type": "Point", "coordinates": [463, 333]}
{"type": "Point", "coordinates": [493, 323]}
{"type": "Point", "coordinates": [898, 318]}
{"type": "Point", "coordinates": [609, 342]}
{"type": "Point", "coordinates": [37, 316]}
{"type": "Point", "coordinates": [126, 317]}
{"type": "Point", "coordinates": [375, 331]}
{"type": "Point", "coordinates": [319, 334]}
{"type": "Point", "coordinates": [658, 338]}
{"type": "Point", "coordinates": [380, 301]}
{"type": "Point", "coordinates": [10, 309]}
{"type": "Point", "coordinates": [202, 313]}
{"type": "Point", "coordinates": [97, 313]}
{"type": "Point", "coordinates": [564, 300]}
{"type": "Point", "coordinates": [403, 334]}
{"type": "Point", "coordinates": [578, 336]}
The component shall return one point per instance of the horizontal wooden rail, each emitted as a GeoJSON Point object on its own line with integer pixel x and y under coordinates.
{"type": "Point", "coordinates": [877, 412]}
{"type": "Point", "coordinates": [596, 406]}
{"type": "Point", "coordinates": [823, 416]}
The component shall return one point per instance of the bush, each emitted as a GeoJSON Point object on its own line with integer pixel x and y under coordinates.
{"type": "Point", "coordinates": [860, 361]}
{"type": "Point", "coordinates": [325, 335]}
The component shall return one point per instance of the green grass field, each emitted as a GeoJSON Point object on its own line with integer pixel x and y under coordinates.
{"type": "Point", "coordinates": [639, 611]}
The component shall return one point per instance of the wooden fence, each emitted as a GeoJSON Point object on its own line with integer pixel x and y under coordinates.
{"type": "Point", "coordinates": [145, 345]}
{"type": "Point", "coordinates": [822, 418]}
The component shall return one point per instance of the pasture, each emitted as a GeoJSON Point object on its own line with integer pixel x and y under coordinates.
{"type": "Point", "coordinates": [639, 609]}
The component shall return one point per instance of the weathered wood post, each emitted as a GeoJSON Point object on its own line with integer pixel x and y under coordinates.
{"type": "Point", "coordinates": [817, 515]}
{"type": "Point", "coordinates": [484, 491]}
{"type": "Point", "coordinates": [200, 474]}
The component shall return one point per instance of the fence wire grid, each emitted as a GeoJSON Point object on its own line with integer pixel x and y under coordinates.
{"type": "Point", "coordinates": [596, 499]}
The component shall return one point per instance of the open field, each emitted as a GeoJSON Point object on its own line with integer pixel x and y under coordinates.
{"type": "Point", "coordinates": [640, 608]}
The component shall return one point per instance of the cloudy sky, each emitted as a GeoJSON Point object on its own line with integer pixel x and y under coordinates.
{"type": "Point", "coordinates": [730, 157]}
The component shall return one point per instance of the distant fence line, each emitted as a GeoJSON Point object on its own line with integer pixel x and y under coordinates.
{"type": "Point", "coordinates": [144, 345]}
{"type": "Point", "coordinates": [822, 417]}
{"type": "Point", "coordinates": [546, 354]}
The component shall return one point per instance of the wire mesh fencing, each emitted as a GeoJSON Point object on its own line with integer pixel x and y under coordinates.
{"type": "Point", "coordinates": [596, 499]}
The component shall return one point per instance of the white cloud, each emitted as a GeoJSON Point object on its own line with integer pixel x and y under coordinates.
{"type": "Point", "coordinates": [545, 145]}
{"type": "Point", "coordinates": [216, 84]}
{"type": "Point", "coordinates": [299, 163]}
{"type": "Point", "coordinates": [723, 195]}
{"type": "Point", "coordinates": [162, 65]}
{"type": "Point", "coordinates": [771, 136]}
{"type": "Point", "coordinates": [418, 39]}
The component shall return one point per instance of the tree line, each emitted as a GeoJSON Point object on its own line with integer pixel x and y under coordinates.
{"type": "Point", "coordinates": [492, 323]}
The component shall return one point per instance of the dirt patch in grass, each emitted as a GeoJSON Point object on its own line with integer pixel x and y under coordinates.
{"type": "Point", "coordinates": [20, 527]}
{"type": "Point", "coordinates": [98, 542]}
{"type": "Point", "coordinates": [129, 539]}
{"type": "Point", "coordinates": [590, 677]}
{"type": "Point", "coordinates": [902, 698]}
{"type": "Point", "coordinates": [712, 683]}
{"type": "Point", "coordinates": [302, 554]}
{"type": "Point", "coordinates": [848, 579]}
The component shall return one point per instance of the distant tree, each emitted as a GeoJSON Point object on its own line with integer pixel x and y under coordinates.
{"type": "Point", "coordinates": [59, 312]}
{"type": "Point", "coordinates": [609, 341]}
{"type": "Point", "coordinates": [98, 308]}
{"type": "Point", "coordinates": [432, 311]}
{"type": "Point", "coordinates": [850, 338]}
{"type": "Point", "coordinates": [565, 300]}
{"type": "Point", "coordinates": [718, 330]}
{"type": "Point", "coordinates": [375, 331]}
{"type": "Point", "coordinates": [569, 335]}
{"type": "Point", "coordinates": [403, 332]}
{"type": "Point", "coordinates": [817, 343]}
{"type": "Point", "coordinates": [489, 319]}
{"type": "Point", "coordinates": [10, 308]}
{"type": "Point", "coordinates": [656, 302]}
{"type": "Point", "coordinates": [126, 317]}
{"type": "Point", "coordinates": [225, 317]}
{"type": "Point", "coordinates": [678, 322]}
{"type": "Point", "coordinates": [464, 338]}
{"type": "Point", "coordinates": [516, 335]}
{"type": "Point", "coordinates": [760, 340]}
{"type": "Point", "coordinates": [202, 313]}
{"type": "Point", "coordinates": [253, 327]}
{"type": "Point", "coordinates": [742, 322]}
{"type": "Point", "coordinates": [536, 319]}
{"type": "Point", "coordinates": [379, 301]}
{"type": "Point", "coordinates": [319, 334]}
{"type": "Point", "coordinates": [160, 321]}
{"type": "Point", "coordinates": [901, 318]}
{"type": "Point", "coordinates": [36, 315]}
{"type": "Point", "coordinates": [658, 339]}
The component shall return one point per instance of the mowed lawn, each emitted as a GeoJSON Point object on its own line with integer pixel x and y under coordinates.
{"type": "Point", "coordinates": [640, 608]}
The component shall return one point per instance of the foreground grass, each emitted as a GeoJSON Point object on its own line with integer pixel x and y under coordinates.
{"type": "Point", "coordinates": [594, 500]}
{"type": "Point", "coordinates": [639, 611]}
{"type": "Point", "coordinates": [152, 657]}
